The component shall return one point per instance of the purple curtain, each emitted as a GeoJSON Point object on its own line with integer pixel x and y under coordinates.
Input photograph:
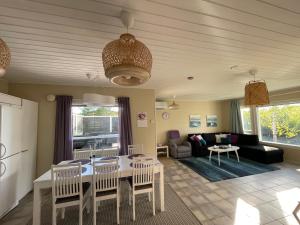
{"type": "Point", "coordinates": [63, 145]}
{"type": "Point", "coordinates": [125, 130]}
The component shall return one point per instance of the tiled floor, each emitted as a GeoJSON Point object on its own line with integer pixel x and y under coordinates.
{"type": "Point", "coordinates": [267, 198]}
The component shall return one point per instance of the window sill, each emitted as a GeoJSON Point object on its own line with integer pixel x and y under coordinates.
{"type": "Point", "coordinates": [280, 145]}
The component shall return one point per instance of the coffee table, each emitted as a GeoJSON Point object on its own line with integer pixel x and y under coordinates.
{"type": "Point", "coordinates": [221, 150]}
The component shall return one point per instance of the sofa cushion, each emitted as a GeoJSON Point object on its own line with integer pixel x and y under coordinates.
{"type": "Point", "coordinates": [210, 138]}
{"type": "Point", "coordinates": [248, 139]}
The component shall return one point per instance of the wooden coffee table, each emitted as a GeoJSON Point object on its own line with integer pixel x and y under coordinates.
{"type": "Point", "coordinates": [222, 150]}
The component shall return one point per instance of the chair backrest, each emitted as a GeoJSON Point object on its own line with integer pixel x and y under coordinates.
{"type": "Point", "coordinates": [82, 154]}
{"type": "Point", "coordinates": [105, 175]}
{"type": "Point", "coordinates": [173, 134]}
{"type": "Point", "coordinates": [97, 152]}
{"type": "Point", "coordinates": [135, 149]}
{"type": "Point", "coordinates": [143, 171]}
{"type": "Point", "coordinates": [107, 152]}
{"type": "Point", "coordinates": [66, 180]}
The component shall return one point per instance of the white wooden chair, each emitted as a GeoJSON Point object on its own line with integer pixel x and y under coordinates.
{"type": "Point", "coordinates": [105, 184]}
{"type": "Point", "coordinates": [135, 149]}
{"type": "Point", "coordinates": [97, 153]}
{"type": "Point", "coordinates": [110, 152]}
{"type": "Point", "coordinates": [82, 154]}
{"type": "Point", "coordinates": [68, 190]}
{"type": "Point", "coordinates": [142, 181]}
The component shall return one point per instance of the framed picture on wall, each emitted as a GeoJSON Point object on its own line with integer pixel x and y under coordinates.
{"type": "Point", "coordinates": [211, 121]}
{"type": "Point", "coordinates": [195, 121]}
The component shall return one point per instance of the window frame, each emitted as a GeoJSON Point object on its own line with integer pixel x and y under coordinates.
{"type": "Point", "coordinates": [251, 122]}
{"type": "Point", "coordinates": [258, 127]}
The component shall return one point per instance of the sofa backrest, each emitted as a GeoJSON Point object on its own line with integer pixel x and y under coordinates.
{"type": "Point", "coordinates": [248, 139]}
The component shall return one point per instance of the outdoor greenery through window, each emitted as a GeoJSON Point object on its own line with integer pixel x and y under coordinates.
{"type": "Point", "coordinates": [280, 123]}
{"type": "Point", "coordinates": [95, 127]}
{"type": "Point", "coordinates": [246, 120]}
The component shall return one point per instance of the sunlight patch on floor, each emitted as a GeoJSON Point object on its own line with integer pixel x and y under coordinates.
{"type": "Point", "coordinates": [246, 214]}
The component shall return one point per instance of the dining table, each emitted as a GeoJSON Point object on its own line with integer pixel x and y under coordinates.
{"type": "Point", "coordinates": [125, 170]}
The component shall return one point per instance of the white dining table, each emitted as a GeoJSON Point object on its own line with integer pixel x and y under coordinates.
{"type": "Point", "coordinates": [125, 170]}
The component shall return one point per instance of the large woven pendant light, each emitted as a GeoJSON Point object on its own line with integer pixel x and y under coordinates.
{"type": "Point", "coordinates": [4, 57]}
{"type": "Point", "coordinates": [127, 61]}
{"type": "Point", "coordinates": [256, 91]}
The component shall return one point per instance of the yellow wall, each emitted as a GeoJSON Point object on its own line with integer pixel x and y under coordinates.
{"type": "Point", "coordinates": [179, 119]}
{"type": "Point", "coordinates": [3, 86]}
{"type": "Point", "coordinates": [141, 100]}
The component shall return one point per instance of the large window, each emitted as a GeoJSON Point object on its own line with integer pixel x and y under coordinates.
{"type": "Point", "coordinates": [246, 120]}
{"type": "Point", "coordinates": [95, 127]}
{"type": "Point", "coordinates": [280, 123]}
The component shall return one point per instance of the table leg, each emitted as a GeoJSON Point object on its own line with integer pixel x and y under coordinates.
{"type": "Point", "coordinates": [167, 151]}
{"type": "Point", "coordinates": [219, 158]}
{"type": "Point", "coordinates": [36, 219]}
{"type": "Point", "coordinates": [162, 188]}
{"type": "Point", "coordinates": [237, 155]}
{"type": "Point", "coordinates": [210, 155]}
{"type": "Point", "coordinates": [228, 155]}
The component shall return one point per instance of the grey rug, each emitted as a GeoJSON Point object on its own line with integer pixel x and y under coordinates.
{"type": "Point", "coordinates": [176, 212]}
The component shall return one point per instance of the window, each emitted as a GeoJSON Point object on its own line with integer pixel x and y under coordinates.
{"type": "Point", "coordinates": [95, 127]}
{"type": "Point", "coordinates": [280, 124]}
{"type": "Point", "coordinates": [246, 120]}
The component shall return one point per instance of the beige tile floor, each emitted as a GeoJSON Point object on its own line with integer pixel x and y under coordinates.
{"type": "Point", "coordinates": [267, 198]}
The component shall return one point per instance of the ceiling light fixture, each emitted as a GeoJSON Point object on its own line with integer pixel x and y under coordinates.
{"type": "Point", "coordinates": [4, 57]}
{"type": "Point", "coordinates": [174, 105]}
{"type": "Point", "coordinates": [127, 61]}
{"type": "Point", "coordinates": [256, 91]}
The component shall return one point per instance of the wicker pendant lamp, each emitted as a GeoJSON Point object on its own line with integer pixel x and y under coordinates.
{"type": "Point", "coordinates": [4, 57]}
{"type": "Point", "coordinates": [127, 61]}
{"type": "Point", "coordinates": [256, 91]}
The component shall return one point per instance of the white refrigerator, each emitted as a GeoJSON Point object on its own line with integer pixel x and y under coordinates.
{"type": "Point", "coordinates": [10, 155]}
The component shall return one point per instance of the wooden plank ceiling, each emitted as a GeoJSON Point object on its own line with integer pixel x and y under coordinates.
{"type": "Point", "coordinates": [59, 41]}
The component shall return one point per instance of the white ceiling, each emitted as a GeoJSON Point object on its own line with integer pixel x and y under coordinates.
{"type": "Point", "coordinates": [59, 41]}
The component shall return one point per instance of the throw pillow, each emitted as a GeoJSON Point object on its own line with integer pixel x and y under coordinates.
{"type": "Point", "coordinates": [234, 139]}
{"type": "Point", "coordinates": [197, 140]}
{"type": "Point", "coordinates": [199, 136]}
{"type": "Point", "coordinates": [202, 141]}
{"type": "Point", "coordinates": [192, 137]}
{"type": "Point", "coordinates": [219, 136]}
{"type": "Point", "coordinates": [226, 140]}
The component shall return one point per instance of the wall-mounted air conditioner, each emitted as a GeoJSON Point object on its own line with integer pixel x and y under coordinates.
{"type": "Point", "coordinates": [161, 105]}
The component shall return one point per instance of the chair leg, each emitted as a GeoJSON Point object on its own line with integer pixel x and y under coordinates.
{"type": "Point", "coordinates": [80, 213]}
{"type": "Point", "coordinates": [95, 210]}
{"type": "Point", "coordinates": [149, 197]}
{"type": "Point", "coordinates": [63, 210]}
{"type": "Point", "coordinates": [118, 208]}
{"type": "Point", "coordinates": [53, 216]}
{"type": "Point", "coordinates": [133, 206]}
{"type": "Point", "coordinates": [88, 207]}
{"type": "Point", "coordinates": [296, 210]}
{"type": "Point", "coordinates": [153, 201]}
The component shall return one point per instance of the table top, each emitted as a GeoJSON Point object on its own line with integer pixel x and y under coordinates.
{"type": "Point", "coordinates": [125, 170]}
{"type": "Point", "coordinates": [218, 149]}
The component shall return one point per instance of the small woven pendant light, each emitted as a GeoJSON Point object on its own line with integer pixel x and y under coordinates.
{"type": "Point", "coordinates": [256, 91]}
{"type": "Point", "coordinates": [4, 57]}
{"type": "Point", "coordinates": [127, 61]}
{"type": "Point", "coordinates": [174, 105]}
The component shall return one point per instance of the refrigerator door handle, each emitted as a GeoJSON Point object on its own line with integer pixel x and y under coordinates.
{"type": "Point", "coordinates": [2, 155]}
{"type": "Point", "coordinates": [2, 172]}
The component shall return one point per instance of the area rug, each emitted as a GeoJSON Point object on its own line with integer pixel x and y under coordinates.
{"type": "Point", "coordinates": [229, 168]}
{"type": "Point", "coordinates": [176, 212]}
